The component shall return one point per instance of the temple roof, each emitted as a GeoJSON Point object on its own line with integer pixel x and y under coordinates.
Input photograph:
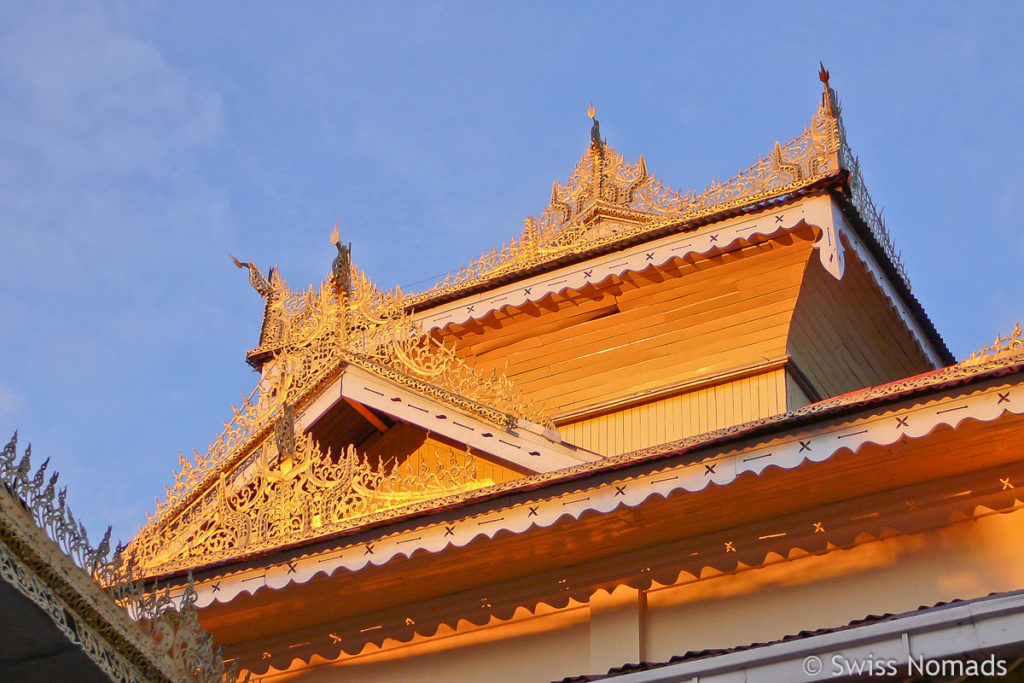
{"type": "Point", "coordinates": [502, 508]}
{"type": "Point", "coordinates": [608, 201]}
{"type": "Point", "coordinates": [309, 338]}
{"type": "Point", "coordinates": [337, 342]}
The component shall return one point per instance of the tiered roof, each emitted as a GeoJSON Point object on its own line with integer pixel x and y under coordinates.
{"type": "Point", "coordinates": [309, 339]}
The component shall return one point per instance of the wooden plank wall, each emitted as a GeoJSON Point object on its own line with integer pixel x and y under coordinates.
{"type": "Point", "coordinates": [796, 397]}
{"type": "Point", "coordinates": [846, 336]}
{"type": "Point", "coordinates": [686, 414]}
{"type": "Point", "coordinates": [649, 330]}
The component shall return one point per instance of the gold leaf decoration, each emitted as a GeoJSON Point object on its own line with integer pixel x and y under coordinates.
{"type": "Point", "coordinates": [276, 499]}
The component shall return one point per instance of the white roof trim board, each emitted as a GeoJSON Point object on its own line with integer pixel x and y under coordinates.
{"type": "Point", "coordinates": [714, 237]}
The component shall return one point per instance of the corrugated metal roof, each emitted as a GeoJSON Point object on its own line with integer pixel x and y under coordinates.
{"type": "Point", "coordinates": [693, 655]}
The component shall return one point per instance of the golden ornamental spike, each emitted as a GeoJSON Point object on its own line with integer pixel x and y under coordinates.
{"type": "Point", "coordinates": [595, 130]}
{"type": "Point", "coordinates": [828, 96]}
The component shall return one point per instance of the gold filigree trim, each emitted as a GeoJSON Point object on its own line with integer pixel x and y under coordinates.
{"type": "Point", "coordinates": [607, 200]}
{"type": "Point", "coordinates": [287, 496]}
{"type": "Point", "coordinates": [308, 333]}
{"type": "Point", "coordinates": [1010, 344]}
{"type": "Point", "coordinates": [128, 631]}
{"type": "Point", "coordinates": [314, 335]}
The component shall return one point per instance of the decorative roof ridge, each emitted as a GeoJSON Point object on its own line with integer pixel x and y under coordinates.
{"type": "Point", "coordinates": [128, 629]}
{"type": "Point", "coordinates": [859, 196]}
{"type": "Point", "coordinates": [310, 337]}
{"type": "Point", "coordinates": [1010, 345]}
{"type": "Point", "coordinates": [634, 202]}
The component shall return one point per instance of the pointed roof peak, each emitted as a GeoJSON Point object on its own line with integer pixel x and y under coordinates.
{"type": "Point", "coordinates": [596, 142]}
{"type": "Point", "coordinates": [829, 102]}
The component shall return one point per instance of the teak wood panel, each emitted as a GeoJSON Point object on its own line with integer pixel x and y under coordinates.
{"type": "Point", "coordinates": [339, 427]}
{"type": "Point", "coordinates": [694, 412]}
{"type": "Point", "coordinates": [845, 335]}
{"type": "Point", "coordinates": [645, 330]}
{"type": "Point", "coordinates": [415, 449]}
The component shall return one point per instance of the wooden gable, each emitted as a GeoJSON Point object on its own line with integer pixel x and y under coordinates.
{"type": "Point", "coordinates": [705, 340]}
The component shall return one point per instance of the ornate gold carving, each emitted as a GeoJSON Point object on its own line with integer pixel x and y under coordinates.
{"type": "Point", "coordinates": [256, 279]}
{"type": "Point", "coordinates": [604, 184]}
{"type": "Point", "coordinates": [313, 335]}
{"type": "Point", "coordinates": [1002, 346]}
{"type": "Point", "coordinates": [279, 499]}
{"type": "Point", "coordinates": [49, 559]}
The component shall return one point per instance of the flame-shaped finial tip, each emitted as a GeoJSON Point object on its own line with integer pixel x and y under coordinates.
{"type": "Point", "coordinates": [335, 235]}
{"type": "Point", "coordinates": [823, 73]}
{"type": "Point", "coordinates": [591, 111]}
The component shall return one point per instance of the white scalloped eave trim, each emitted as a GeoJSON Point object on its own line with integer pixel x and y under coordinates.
{"type": "Point", "coordinates": [715, 237]}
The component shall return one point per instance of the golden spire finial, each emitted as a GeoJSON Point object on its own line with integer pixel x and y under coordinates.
{"type": "Point", "coordinates": [595, 130]}
{"type": "Point", "coordinates": [340, 269]}
{"type": "Point", "coordinates": [828, 96]}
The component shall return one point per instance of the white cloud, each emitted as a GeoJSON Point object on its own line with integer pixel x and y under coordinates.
{"type": "Point", "coordinates": [84, 96]}
{"type": "Point", "coordinates": [9, 402]}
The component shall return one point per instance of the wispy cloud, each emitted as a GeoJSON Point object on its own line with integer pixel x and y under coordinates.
{"type": "Point", "coordinates": [106, 211]}
{"type": "Point", "coordinates": [9, 402]}
{"type": "Point", "coordinates": [84, 97]}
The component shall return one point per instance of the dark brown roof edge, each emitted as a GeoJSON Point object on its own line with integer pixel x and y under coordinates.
{"type": "Point", "coordinates": [842, 196]}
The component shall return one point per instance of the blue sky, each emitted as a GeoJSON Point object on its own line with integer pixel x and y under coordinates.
{"type": "Point", "coordinates": [142, 142]}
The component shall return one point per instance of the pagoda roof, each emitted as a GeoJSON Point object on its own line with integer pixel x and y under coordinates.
{"type": "Point", "coordinates": [608, 204]}
{"type": "Point", "coordinates": [334, 348]}
{"type": "Point", "coordinates": [308, 339]}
